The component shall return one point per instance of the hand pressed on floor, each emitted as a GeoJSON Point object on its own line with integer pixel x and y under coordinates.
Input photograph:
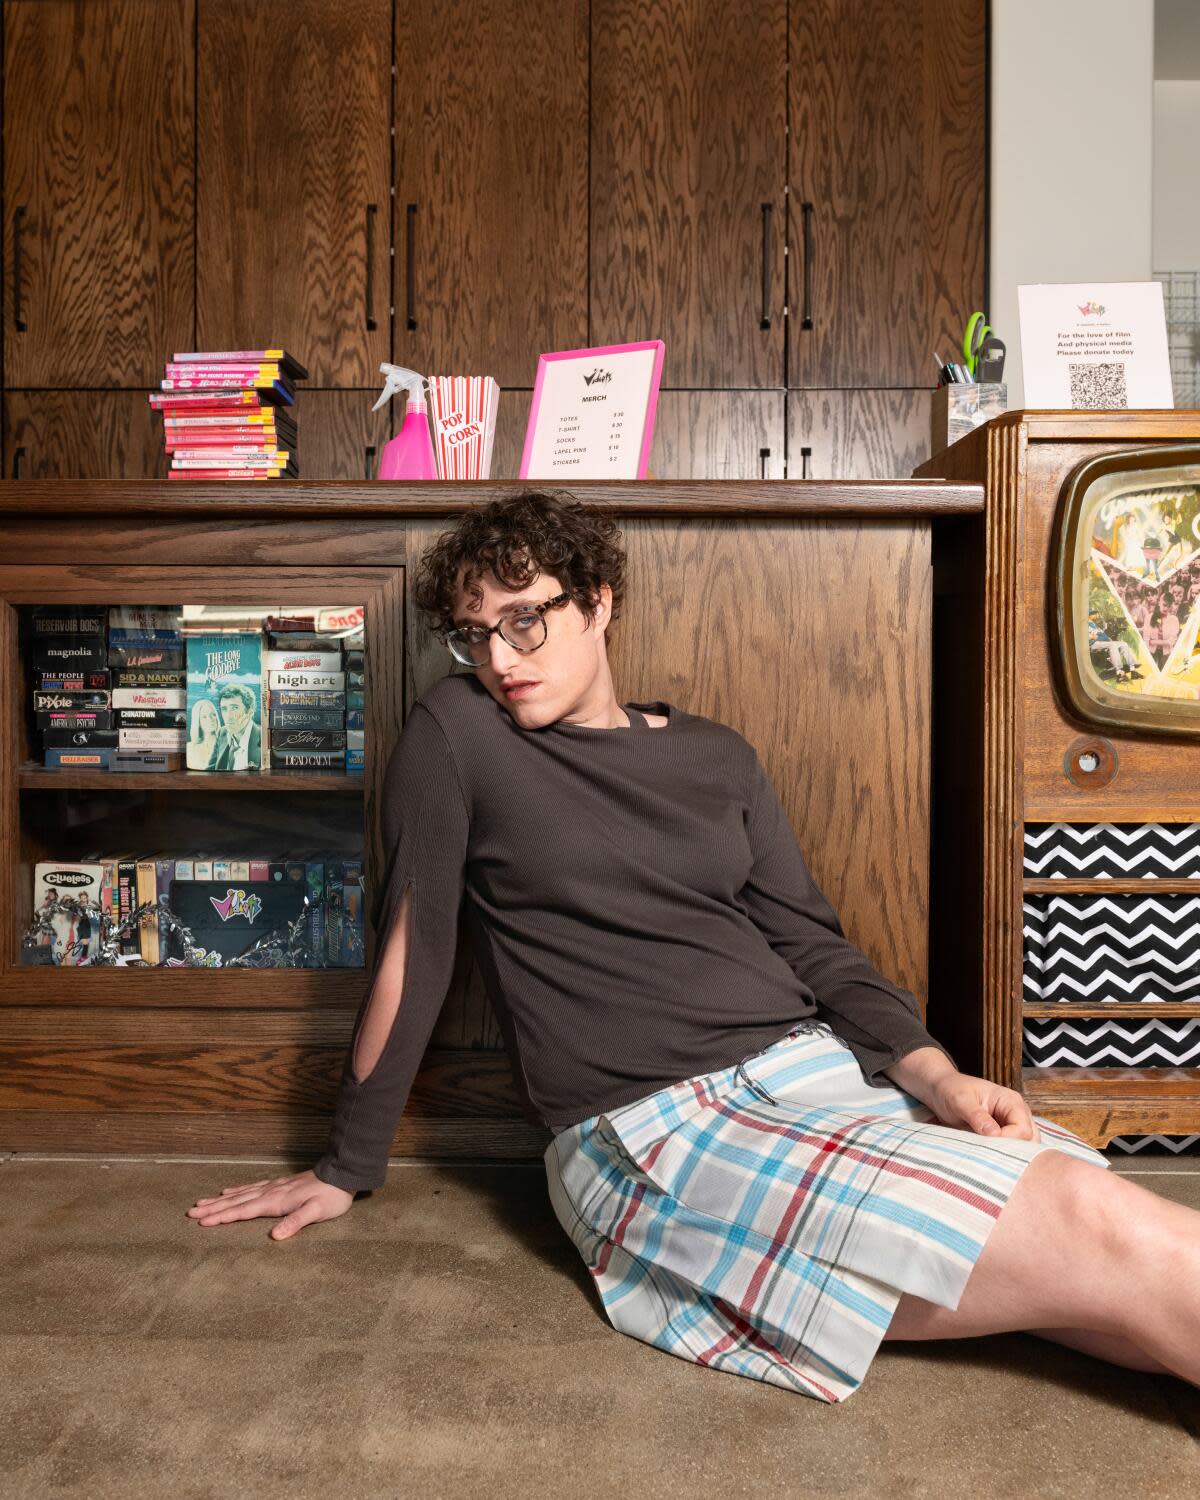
{"type": "Point", "coordinates": [295, 1201]}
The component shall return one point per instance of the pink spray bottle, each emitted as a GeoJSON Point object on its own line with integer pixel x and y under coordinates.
{"type": "Point", "coordinates": [409, 455]}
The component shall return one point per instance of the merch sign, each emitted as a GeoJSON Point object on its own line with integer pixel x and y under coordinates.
{"type": "Point", "coordinates": [593, 413]}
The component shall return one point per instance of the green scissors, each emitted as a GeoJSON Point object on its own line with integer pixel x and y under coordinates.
{"type": "Point", "coordinates": [977, 330]}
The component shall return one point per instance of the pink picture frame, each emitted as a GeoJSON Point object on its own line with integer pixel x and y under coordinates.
{"type": "Point", "coordinates": [602, 351]}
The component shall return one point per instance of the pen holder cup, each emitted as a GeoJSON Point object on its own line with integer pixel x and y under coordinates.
{"type": "Point", "coordinates": [958, 409]}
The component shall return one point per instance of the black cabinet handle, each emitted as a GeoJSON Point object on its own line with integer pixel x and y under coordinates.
{"type": "Point", "coordinates": [18, 455]}
{"type": "Point", "coordinates": [372, 210]}
{"type": "Point", "coordinates": [369, 463]}
{"type": "Point", "coordinates": [806, 312]}
{"type": "Point", "coordinates": [805, 456]}
{"type": "Point", "coordinates": [410, 274]}
{"type": "Point", "coordinates": [765, 320]}
{"type": "Point", "coordinates": [763, 455]}
{"type": "Point", "coordinates": [18, 320]}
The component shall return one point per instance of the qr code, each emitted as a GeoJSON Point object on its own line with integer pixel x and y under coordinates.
{"type": "Point", "coordinates": [1098, 387]}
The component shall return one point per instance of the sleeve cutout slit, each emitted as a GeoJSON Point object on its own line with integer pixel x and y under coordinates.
{"type": "Point", "coordinates": [386, 993]}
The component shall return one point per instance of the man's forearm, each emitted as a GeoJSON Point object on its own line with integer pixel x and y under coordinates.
{"type": "Point", "coordinates": [919, 1069]}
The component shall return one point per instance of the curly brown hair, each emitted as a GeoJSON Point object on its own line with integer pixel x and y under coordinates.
{"type": "Point", "coordinates": [516, 539]}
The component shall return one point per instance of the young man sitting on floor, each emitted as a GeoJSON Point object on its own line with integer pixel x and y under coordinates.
{"type": "Point", "coordinates": [766, 1161]}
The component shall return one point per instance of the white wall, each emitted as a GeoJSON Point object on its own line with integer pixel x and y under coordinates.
{"type": "Point", "coordinates": [1072, 150]}
{"type": "Point", "coordinates": [1176, 177]}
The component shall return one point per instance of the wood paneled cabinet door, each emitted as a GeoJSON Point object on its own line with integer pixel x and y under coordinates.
{"type": "Point", "coordinates": [82, 435]}
{"type": "Point", "coordinates": [886, 187]}
{"type": "Point", "coordinates": [491, 186]}
{"type": "Point", "coordinates": [688, 172]}
{"type": "Point", "coordinates": [293, 218]}
{"type": "Point", "coordinates": [98, 190]}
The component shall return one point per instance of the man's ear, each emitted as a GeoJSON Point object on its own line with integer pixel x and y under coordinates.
{"type": "Point", "coordinates": [602, 609]}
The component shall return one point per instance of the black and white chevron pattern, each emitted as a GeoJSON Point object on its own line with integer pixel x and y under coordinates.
{"type": "Point", "coordinates": [1094, 948]}
{"type": "Point", "coordinates": [1123, 1042]}
{"type": "Point", "coordinates": [1085, 851]}
{"type": "Point", "coordinates": [1179, 1144]}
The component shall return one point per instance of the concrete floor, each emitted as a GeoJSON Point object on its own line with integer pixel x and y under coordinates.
{"type": "Point", "coordinates": [443, 1339]}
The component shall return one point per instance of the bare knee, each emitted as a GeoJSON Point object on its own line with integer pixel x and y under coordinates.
{"type": "Point", "coordinates": [1061, 1252]}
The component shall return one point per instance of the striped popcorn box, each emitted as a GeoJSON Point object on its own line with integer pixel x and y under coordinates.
{"type": "Point", "coordinates": [462, 409]}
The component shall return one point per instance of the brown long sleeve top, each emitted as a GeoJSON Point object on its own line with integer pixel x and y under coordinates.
{"type": "Point", "coordinates": [636, 901]}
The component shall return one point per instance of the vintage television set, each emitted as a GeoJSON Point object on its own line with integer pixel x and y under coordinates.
{"type": "Point", "coordinates": [1065, 895]}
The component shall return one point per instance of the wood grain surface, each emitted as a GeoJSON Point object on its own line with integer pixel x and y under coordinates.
{"type": "Point", "coordinates": [718, 435]}
{"type": "Point", "coordinates": [857, 434]}
{"type": "Point", "coordinates": [292, 145]}
{"type": "Point", "coordinates": [492, 155]}
{"type": "Point", "coordinates": [688, 109]}
{"type": "Point", "coordinates": [887, 111]}
{"type": "Point", "coordinates": [99, 103]}
{"type": "Point", "coordinates": [301, 501]}
{"type": "Point", "coordinates": [338, 436]}
{"type": "Point", "coordinates": [82, 435]}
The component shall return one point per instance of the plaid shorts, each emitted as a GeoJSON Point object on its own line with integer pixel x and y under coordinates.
{"type": "Point", "coordinates": [765, 1219]}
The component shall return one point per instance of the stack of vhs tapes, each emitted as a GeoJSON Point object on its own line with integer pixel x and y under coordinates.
{"type": "Point", "coordinates": [306, 697]}
{"type": "Point", "coordinates": [72, 686]}
{"type": "Point", "coordinates": [227, 902]}
{"type": "Point", "coordinates": [145, 656]}
{"type": "Point", "coordinates": [231, 415]}
{"type": "Point", "coordinates": [316, 681]}
{"type": "Point", "coordinates": [356, 683]}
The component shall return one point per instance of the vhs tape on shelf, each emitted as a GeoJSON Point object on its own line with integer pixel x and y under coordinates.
{"type": "Point", "coordinates": [137, 658]}
{"type": "Point", "coordinates": [69, 654]}
{"type": "Point", "coordinates": [58, 878]}
{"type": "Point", "coordinates": [152, 677]}
{"type": "Point", "coordinates": [306, 718]}
{"type": "Point", "coordinates": [307, 739]}
{"type": "Point", "coordinates": [72, 682]}
{"type": "Point", "coordinates": [130, 761]}
{"type": "Point", "coordinates": [149, 697]}
{"type": "Point", "coordinates": [67, 619]}
{"type": "Point", "coordinates": [331, 682]}
{"type": "Point", "coordinates": [303, 698]}
{"type": "Point", "coordinates": [70, 703]}
{"type": "Point", "coordinates": [152, 739]}
{"type": "Point", "coordinates": [80, 739]}
{"type": "Point", "coordinates": [78, 759]}
{"type": "Point", "coordinates": [307, 760]}
{"type": "Point", "coordinates": [153, 718]}
{"type": "Point", "coordinates": [291, 660]}
{"type": "Point", "coordinates": [97, 718]}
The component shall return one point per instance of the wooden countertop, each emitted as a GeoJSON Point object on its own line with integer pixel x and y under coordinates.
{"type": "Point", "coordinates": [354, 499]}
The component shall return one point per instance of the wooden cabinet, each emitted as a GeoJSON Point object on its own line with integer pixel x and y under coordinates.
{"type": "Point", "coordinates": [82, 435]}
{"type": "Point", "coordinates": [186, 1060]}
{"type": "Point", "coordinates": [790, 195]}
{"type": "Point", "coordinates": [886, 172]}
{"type": "Point", "coordinates": [293, 216]}
{"type": "Point", "coordinates": [491, 186]}
{"type": "Point", "coordinates": [697, 435]}
{"type": "Point", "coordinates": [99, 102]}
{"type": "Point", "coordinates": [688, 171]}
{"type": "Point", "coordinates": [857, 434]}
{"type": "Point", "coordinates": [1014, 759]}
{"type": "Point", "coordinates": [338, 436]}
{"type": "Point", "coordinates": [718, 435]}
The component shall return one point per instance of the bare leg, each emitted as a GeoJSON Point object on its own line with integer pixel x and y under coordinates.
{"type": "Point", "coordinates": [1104, 1346]}
{"type": "Point", "coordinates": [1078, 1248]}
